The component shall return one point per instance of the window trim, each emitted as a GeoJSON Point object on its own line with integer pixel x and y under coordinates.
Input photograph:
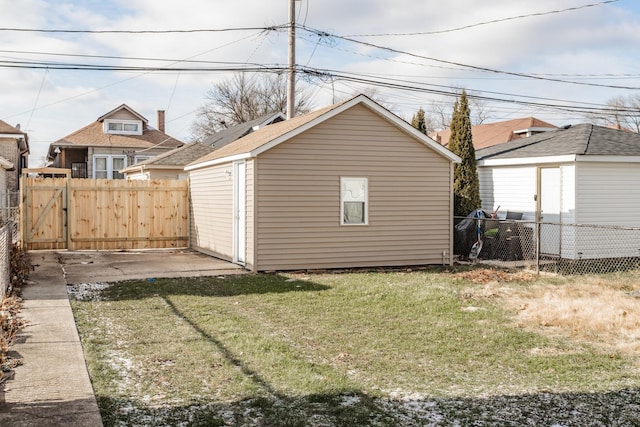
{"type": "Point", "coordinates": [343, 179]}
{"type": "Point", "coordinates": [139, 159]}
{"type": "Point", "coordinates": [109, 158]}
{"type": "Point", "coordinates": [107, 122]}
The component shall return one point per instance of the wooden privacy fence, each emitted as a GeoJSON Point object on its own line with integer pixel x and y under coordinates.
{"type": "Point", "coordinates": [104, 214]}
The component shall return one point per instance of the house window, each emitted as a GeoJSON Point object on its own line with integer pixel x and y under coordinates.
{"type": "Point", "coordinates": [79, 170]}
{"type": "Point", "coordinates": [354, 200]}
{"type": "Point", "coordinates": [139, 159]}
{"type": "Point", "coordinates": [123, 127]}
{"type": "Point", "coordinates": [106, 166]}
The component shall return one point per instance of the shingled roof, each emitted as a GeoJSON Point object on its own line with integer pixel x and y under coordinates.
{"type": "Point", "coordinates": [176, 158]}
{"type": "Point", "coordinates": [489, 134]}
{"type": "Point", "coordinates": [226, 136]}
{"type": "Point", "coordinates": [6, 128]}
{"type": "Point", "coordinates": [582, 140]}
{"type": "Point", "coordinates": [93, 136]}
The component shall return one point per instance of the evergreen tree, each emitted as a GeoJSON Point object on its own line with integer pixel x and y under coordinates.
{"type": "Point", "coordinates": [418, 121]}
{"type": "Point", "coordinates": [466, 186]}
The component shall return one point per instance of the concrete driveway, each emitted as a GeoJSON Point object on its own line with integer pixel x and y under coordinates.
{"type": "Point", "coordinates": [93, 267]}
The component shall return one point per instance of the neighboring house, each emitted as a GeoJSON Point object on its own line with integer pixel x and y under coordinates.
{"type": "Point", "coordinates": [226, 136]}
{"type": "Point", "coordinates": [114, 141]}
{"type": "Point", "coordinates": [351, 185]}
{"type": "Point", "coordinates": [7, 199]}
{"type": "Point", "coordinates": [14, 150]}
{"type": "Point", "coordinates": [581, 174]}
{"type": "Point", "coordinates": [489, 134]}
{"type": "Point", "coordinates": [169, 165]}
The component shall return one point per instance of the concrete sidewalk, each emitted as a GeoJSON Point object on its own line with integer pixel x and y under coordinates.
{"type": "Point", "coordinates": [52, 387]}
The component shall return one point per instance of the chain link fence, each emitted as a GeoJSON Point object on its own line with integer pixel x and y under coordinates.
{"type": "Point", "coordinates": [547, 247]}
{"type": "Point", "coordinates": [9, 235]}
{"type": "Point", "coordinates": [6, 240]}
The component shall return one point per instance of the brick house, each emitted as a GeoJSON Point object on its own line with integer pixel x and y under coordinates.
{"type": "Point", "coordinates": [14, 153]}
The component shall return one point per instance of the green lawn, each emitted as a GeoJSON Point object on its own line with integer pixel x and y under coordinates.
{"type": "Point", "coordinates": [363, 348]}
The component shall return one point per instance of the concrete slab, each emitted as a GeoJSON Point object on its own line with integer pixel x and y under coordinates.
{"type": "Point", "coordinates": [52, 387]}
{"type": "Point", "coordinates": [98, 267]}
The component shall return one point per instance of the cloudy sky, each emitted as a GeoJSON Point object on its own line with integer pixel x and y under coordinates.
{"type": "Point", "coordinates": [524, 58]}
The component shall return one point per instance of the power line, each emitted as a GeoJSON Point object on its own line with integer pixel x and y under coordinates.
{"type": "Point", "coordinates": [493, 21]}
{"type": "Point", "coordinates": [459, 64]}
{"type": "Point", "coordinates": [448, 91]}
{"type": "Point", "coordinates": [203, 30]}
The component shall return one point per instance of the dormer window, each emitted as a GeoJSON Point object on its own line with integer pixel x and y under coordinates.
{"type": "Point", "coordinates": [123, 127]}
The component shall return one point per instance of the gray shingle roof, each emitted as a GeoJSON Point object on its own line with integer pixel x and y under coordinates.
{"type": "Point", "coordinates": [178, 157]}
{"type": "Point", "coordinates": [224, 137]}
{"type": "Point", "coordinates": [583, 139]}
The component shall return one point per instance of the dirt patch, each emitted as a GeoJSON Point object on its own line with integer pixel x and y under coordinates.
{"type": "Point", "coordinates": [490, 275]}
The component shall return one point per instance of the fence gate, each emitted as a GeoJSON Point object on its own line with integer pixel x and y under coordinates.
{"type": "Point", "coordinates": [44, 213]}
{"type": "Point", "coordinates": [104, 214]}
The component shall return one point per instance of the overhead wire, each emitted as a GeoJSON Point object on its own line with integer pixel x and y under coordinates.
{"type": "Point", "coordinates": [460, 64]}
{"type": "Point", "coordinates": [493, 21]}
{"type": "Point", "coordinates": [202, 30]}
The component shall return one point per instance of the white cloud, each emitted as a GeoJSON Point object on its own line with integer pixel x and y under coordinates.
{"type": "Point", "coordinates": [595, 40]}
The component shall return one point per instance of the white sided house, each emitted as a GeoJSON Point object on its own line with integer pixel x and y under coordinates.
{"type": "Point", "coordinates": [351, 185]}
{"type": "Point", "coordinates": [576, 175]}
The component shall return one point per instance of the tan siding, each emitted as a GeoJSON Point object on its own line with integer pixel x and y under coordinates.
{"type": "Point", "coordinates": [298, 222]}
{"type": "Point", "coordinates": [122, 115]}
{"type": "Point", "coordinates": [212, 210]}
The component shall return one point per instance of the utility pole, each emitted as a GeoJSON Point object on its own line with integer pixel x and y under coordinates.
{"type": "Point", "coordinates": [291, 82]}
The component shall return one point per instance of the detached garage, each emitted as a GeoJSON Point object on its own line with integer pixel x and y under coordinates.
{"type": "Point", "coordinates": [351, 185]}
{"type": "Point", "coordinates": [577, 175]}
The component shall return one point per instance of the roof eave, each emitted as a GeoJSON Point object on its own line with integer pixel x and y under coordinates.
{"type": "Point", "coordinates": [521, 161]}
{"type": "Point", "coordinates": [218, 161]}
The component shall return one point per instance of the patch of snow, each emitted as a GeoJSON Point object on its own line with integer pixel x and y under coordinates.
{"type": "Point", "coordinates": [350, 400]}
{"type": "Point", "coordinates": [86, 291]}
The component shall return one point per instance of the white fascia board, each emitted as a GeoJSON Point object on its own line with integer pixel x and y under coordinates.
{"type": "Point", "coordinates": [534, 129]}
{"type": "Point", "coordinates": [528, 160]}
{"type": "Point", "coordinates": [221, 160]}
{"type": "Point", "coordinates": [609, 159]}
{"type": "Point", "coordinates": [12, 135]}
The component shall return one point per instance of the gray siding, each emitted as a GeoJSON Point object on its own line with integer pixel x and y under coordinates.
{"type": "Point", "coordinates": [298, 198]}
{"type": "Point", "coordinates": [211, 192]}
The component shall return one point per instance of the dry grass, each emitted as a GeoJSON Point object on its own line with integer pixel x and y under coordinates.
{"type": "Point", "coordinates": [601, 311]}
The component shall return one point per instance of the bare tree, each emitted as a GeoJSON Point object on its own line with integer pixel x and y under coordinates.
{"type": "Point", "coordinates": [623, 112]}
{"type": "Point", "coordinates": [439, 115]}
{"type": "Point", "coordinates": [243, 98]}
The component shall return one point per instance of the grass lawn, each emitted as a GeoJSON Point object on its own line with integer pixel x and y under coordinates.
{"type": "Point", "coordinates": [414, 348]}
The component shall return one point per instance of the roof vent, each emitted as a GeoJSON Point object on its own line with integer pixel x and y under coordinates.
{"type": "Point", "coordinates": [566, 127]}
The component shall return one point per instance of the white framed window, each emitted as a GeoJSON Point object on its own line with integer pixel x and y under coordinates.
{"type": "Point", "coordinates": [108, 166]}
{"type": "Point", "coordinates": [354, 201]}
{"type": "Point", "coordinates": [139, 159]}
{"type": "Point", "coordinates": [123, 127]}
